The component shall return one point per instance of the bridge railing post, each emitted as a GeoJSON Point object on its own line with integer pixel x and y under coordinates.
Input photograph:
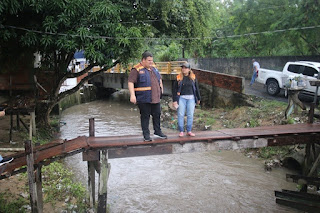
{"type": "Point", "coordinates": [91, 169]}
{"type": "Point", "coordinates": [169, 68]}
{"type": "Point", "coordinates": [103, 182]}
{"type": "Point", "coordinates": [34, 199]}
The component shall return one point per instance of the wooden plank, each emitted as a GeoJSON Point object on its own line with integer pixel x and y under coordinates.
{"type": "Point", "coordinates": [300, 206]}
{"type": "Point", "coordinates": [140, 151]}
{"type": "Point", "coordinates": [293, 139]}
{"type": "Point", "coordinates": [303, 179]}
{"type": "Point", "coordinates": [51, 151]}
{"type": "Point", "coordinates": [304, 195]}
{"type": "Point", "coordinates": [277, 135]}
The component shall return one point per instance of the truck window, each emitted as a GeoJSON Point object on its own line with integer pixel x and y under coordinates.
{"type": "Point", "coordinates": [309, 71]}
{"type": "Point", "coordinates": [296, 68]}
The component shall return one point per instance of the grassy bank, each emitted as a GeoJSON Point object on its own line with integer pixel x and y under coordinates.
{"type": "Point", "coordinates": [60, 191]}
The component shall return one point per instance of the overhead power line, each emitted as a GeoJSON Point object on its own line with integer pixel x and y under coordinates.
{"type": "Point", "coordinates": [151, 38]}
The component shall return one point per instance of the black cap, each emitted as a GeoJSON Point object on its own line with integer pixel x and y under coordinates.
{"type": "Point", "coordinates": [186, 65]}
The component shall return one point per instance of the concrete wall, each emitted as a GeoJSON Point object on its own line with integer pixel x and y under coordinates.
{"type": "Point", "coordinates": [242, 67]}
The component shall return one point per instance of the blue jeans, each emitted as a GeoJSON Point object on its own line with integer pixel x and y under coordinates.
{"type": "Point", "coordinates": [185, 105]}
{"type": "Point", "coordinates": [254, 76]}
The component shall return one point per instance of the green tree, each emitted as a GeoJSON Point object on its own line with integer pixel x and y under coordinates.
{"type": "Point", "coordinates": [269, 28]}
{"type": "Point", "coordinates": [107, 31]}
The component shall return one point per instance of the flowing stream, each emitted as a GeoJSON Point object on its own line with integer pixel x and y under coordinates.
{"type": "Point", "coordinates": [217, 181]}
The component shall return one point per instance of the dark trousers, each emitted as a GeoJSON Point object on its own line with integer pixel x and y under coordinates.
{"type": "Point", "coordinates": [147, 109]}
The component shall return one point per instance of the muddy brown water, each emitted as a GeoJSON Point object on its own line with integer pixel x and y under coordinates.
{"type": "Point", "coordinates": [217, 181]}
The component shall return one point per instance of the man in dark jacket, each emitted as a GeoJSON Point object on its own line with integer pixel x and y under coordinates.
{"type": "Point", "coordinates": [145, 87]}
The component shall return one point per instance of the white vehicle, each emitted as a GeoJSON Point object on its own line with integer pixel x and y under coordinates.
{"type": "Point", "coordinates": [276, 80]}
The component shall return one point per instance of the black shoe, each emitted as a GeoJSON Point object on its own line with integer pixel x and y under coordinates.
{"type": "Point", "coordinates": [147, 138]}
{"type": "Point", "coordinates": [5, 160]}
{"type": "Point", "coordinates": [161, 135]}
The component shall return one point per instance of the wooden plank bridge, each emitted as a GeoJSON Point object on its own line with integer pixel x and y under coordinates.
{"type": "Point", "coordinates": [97, 150]}
{"type": "Point", "coordinates": [133, 145]}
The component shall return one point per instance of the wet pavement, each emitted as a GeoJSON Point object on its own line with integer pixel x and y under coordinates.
{"type": "Point", "coordinates": [259, 90]}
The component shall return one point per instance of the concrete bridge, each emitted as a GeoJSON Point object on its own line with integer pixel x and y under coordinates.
{"type": "Point", "coordinates": [224, 89]}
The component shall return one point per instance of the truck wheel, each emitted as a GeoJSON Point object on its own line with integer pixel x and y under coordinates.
{"type": "Point", "coordinates": [273, 87]}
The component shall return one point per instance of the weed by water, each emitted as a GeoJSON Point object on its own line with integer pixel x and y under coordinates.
{"type": "Point", "coordinates": [210, 121]}
{"type": "Point", "coordinates": [290, 121]}
{"type": "Point", "coordinates": [9, 205]}
{"type": "Point", "coordinates": [268, 152]}
{"type": "Point", "coordinates": [59, 186]}
{"type": "Point", "coordinates": [253, 123]}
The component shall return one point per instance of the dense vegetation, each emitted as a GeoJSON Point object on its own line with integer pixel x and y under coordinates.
{"type": "Point", "coordinates": [112, 31]}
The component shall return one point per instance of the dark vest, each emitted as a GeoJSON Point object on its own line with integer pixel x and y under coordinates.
{"type": "Point", "coordinates": [143, 86]}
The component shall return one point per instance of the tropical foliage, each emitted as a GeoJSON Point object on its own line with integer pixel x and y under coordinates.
{"type": "Point", "coordinates": [112, 31]}
{"type": "Point", "coordinates": [109, 32]}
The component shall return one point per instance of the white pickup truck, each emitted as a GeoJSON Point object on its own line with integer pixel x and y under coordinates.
{"type": "Point", "coordinates": [276, 80]}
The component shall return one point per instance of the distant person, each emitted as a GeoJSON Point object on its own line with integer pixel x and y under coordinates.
{"type": "Point", "coordinates": [145, 87]}
{"type": "Point", "coordinates": [186, 95]}
{"type": "Point", "coordinates": [256, 67]}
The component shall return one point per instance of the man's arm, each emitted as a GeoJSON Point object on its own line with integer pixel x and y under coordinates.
{"type": "Point", "coordinates": [132, 94]}
{"type": "Point", "coordinates": [161, 85]}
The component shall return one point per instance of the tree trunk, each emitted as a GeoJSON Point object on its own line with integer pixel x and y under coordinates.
{"type": "Point", "coordinates": [43, 114]}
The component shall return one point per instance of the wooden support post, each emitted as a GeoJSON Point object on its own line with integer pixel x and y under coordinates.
{"type": "Point", "coordinates": [31, 178]}
{"type": "Point", "coordinates": [30, 130]}
{"type": "Point", "coordinates": [11, 125]}
{"type": "Point", "coordinates": [313, 104]}
{"type": "Point", "coordinates": [91, 170]}
{"type": "Point", "coordinates": [11, 113]}
{"type": "Point", "coordinates": [18, 122]}
{"type": "Point", "coordinates": [103, 180]}
{"type": "Point", "coordinates": [39, 189]}
{"type": "Point", "coordinates": [91, 127]}
{"type": "Point", "coordinates": [315, 165]}
{"type": "Point", "coordinates": [91, 184]}
{"type": "Point", "coordinates": [311, 113]}
{"type": "Point", "coordinates": [25, 126]}
{"type": "Point", "coordinates": [34, 129]}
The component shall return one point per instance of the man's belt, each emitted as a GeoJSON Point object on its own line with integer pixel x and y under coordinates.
{"type": "Point", "coordinates": [142, 88]}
